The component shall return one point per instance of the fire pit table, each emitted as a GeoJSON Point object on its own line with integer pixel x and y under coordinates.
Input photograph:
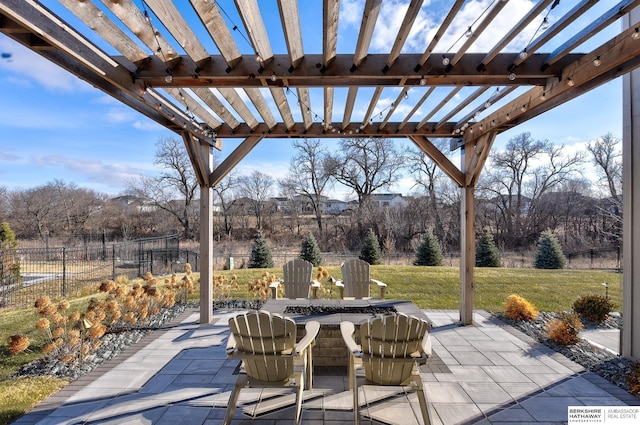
{"type": "Point", "coordinates": [330, 350]}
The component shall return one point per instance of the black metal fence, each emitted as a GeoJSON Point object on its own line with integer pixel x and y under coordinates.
{"type": "Point", "coordinates": [28, 273]}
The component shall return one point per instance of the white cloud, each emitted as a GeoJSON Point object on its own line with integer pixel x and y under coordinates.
{"type": "Point", "coordinates": [26, 66]}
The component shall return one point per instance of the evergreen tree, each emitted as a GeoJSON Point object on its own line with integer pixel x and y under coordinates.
{"type": "Point", "coordinates": [371, 250]}
{"type": "Point", "coordinates": [549, 253]}
{"type": "Point", "coordinates": [260, 253]}
{"type": "Point", "coordinates": [310, 251]}
{"type": "Point", "coordinates": [428, 252]}
{"type": "Point", "coordinates": [9, 264]}
{"type": "Point", "coordinates": [486, 252]}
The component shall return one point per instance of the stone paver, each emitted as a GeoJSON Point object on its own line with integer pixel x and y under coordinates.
{"type": "Point", "coordinates": [486, 373]}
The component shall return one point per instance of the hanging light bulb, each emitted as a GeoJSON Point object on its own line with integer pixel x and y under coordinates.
{"type": "Point", "coordinates": [423, 81]}
{"type": "Point", "coordinates": [512, 76]}
{"type": "Point", "coordinates": [570, 82]}
{"type": "Point", "coordinates": [524, 54]}
{"type": "Point", "coordinates": [636, 34]}
{"type": "Point", "coordinates": [544, 96]}
{"type": "Point", "coordinates": [597, 61]}
{"type": "Point", "coordinates": [545, 23]}
{"type": "Point", "coordinates": [445, 60]}
{"type": "Point", "coordinates": [487, 104]}
{"type": "Point", "coordinates": [169, 78]}
{"type": "Point", "coordinates": [406, 95]}
{"type": "Point", "coordinates": [274, 77]}
{"type": "Point", "coordinates": [468, 33]}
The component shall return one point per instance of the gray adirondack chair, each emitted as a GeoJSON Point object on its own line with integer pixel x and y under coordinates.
{"type": "Point", "coordinates": [266, 344]}
{"type": "Point", "coordinates": [390, 350]}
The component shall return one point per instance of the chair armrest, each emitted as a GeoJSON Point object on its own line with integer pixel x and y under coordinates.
{"type": "Point", "coordinates": [426, 344]}
{"type": "Point", "coordinates": [231, 344]}
{"type": "Point", "coordinates": [274, 288]}
{"type": "Point", "coordinates": [315, 284]}
{"type": "Point", "coordinates": [339, 283]}
{"type": "Point", "coordinates": [348, 329]}
{"type": "Point", "coordinates": [311, 332]}
{"type": "Point", "coordinates": [377, 282]}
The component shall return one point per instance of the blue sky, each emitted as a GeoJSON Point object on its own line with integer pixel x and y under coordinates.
{"type": "Point", "coordinates": [54, 126]}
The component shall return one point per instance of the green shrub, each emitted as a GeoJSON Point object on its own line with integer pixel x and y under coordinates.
{"type": "Point", "coordinates": [565, 329]}
{"type": "Point", "coordinates": [594, 308]}
{"type": "Point", "coordinates": [310, 251]}
{"type": "Point", "coordinates": [518, 308]}
{"type": "Point", "coordinates": [549, 253]}
{"type": "Point", "coordinates": [486, 252]}
{"type": "Point", "coordinates": [260, 254]}
{"type": "Point", "coordinates": [371, 250]}
{"type": "Point", "coordinates": [428, 253]}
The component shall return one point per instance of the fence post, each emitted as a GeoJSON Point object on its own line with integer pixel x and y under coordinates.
{"type": "Point", "coordinates": [151, 264]}
{"type": "Point", "coordinates": [64, 271]}
{"type": "Point", "coordinates": [113, 262]}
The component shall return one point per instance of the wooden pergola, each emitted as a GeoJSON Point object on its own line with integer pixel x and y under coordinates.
{"type": "Point", "coordinates": [206, 70]}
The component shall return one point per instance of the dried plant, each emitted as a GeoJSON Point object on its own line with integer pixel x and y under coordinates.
{"type": "Point", "coordinates": [260, 287]}
{"type": "Point", "coordinates": [565, 329]}
{"type": "Point", "coordinates": [222, 286]}
{"type": "Point", "coordinates": [18, 343]}
{"type": "Point", "coordinates": [518, 308]}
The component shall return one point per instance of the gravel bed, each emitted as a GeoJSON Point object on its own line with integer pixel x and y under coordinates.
{"type": "Point", "coordinates": [116, 340]}
{"type": "Point", "coordinates": [610, 366]}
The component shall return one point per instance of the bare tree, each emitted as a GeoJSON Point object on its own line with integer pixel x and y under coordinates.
{"type": "Point", "coordinates": [607, 157]}
{"type": "Point", "coordinates": [366, 165]}
{"type": "Point", "coordinates": [33, 212]}
{"type": "Point", "coordinates": [4, 203]}
{"type": "Point", "coordinates": [224, 192]}
{"type": "Point", "coordinates": [257, 188]}
{"type": "Point", "coordinates": [308, 176]}
{"type": "Point", "coordinates": [430, 180]}
{"type": "Point", "coordinates": [519, 175]}
{"type": "Point", "coordinates": [175, 189]}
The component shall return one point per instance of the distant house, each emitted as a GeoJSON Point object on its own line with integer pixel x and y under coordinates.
{"type": "Point", "coordinates": [333, 206]}
{"type": "Point", "coordinates": [388, 200]}
{"type": "Point", "coordinates": [130, 202]}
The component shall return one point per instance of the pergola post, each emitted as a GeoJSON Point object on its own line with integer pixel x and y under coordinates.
{"type": "Point", "coordinates": [467, 243]}
{"type": "Point", "coordinates": [630, 337]}
{"type": "Point", "coordinates": [206, 243]}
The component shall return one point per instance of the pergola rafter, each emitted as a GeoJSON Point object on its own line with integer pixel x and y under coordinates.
{"type": "Point", "coordinates": [214, 70]}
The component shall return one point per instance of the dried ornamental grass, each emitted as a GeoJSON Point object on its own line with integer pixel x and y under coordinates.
{"type": "Point", "coordinates": [565, 329]}
{"type": "Point", "coordinates": [518, 308]}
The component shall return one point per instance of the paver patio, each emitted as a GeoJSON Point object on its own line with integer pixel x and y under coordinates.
{"type": "Point", "coordinates": [486, 373]}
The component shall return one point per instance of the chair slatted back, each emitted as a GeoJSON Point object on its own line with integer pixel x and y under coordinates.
{"type": "Point", "coordinates": [356, 278]}
{"type": "Point", "coordinates": [264, 338]}
{"type": "Point", "coordinates": [298, 274]}
{"type": "Point", "coordinates": [390, 345]}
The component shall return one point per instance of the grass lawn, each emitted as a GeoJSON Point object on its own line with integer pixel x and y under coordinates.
{"type": "Point", "coordinates": [439, 287]}
{"type": "Point", "coordinates": [427, 287]}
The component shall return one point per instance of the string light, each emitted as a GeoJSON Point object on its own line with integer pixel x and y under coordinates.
{"type": "Point", "coordinates": [468, 33]}
{"type": "Point", "coordinates": [635, 34]}
{"type": "Point", "coordinates": [545, 23]}
{"type": "Point", "coordinates": [524, 54]}
{"type": "Point", "coordinates": [423, 81]}
{"type": "Point", "coordinates": [597, 61]}
{"type": "Point", "coordinates": [570, 82]}
{"type": "Point", "coordinates": [512, 76]}
{"type": "Point", "coordinates": [445, 60]}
